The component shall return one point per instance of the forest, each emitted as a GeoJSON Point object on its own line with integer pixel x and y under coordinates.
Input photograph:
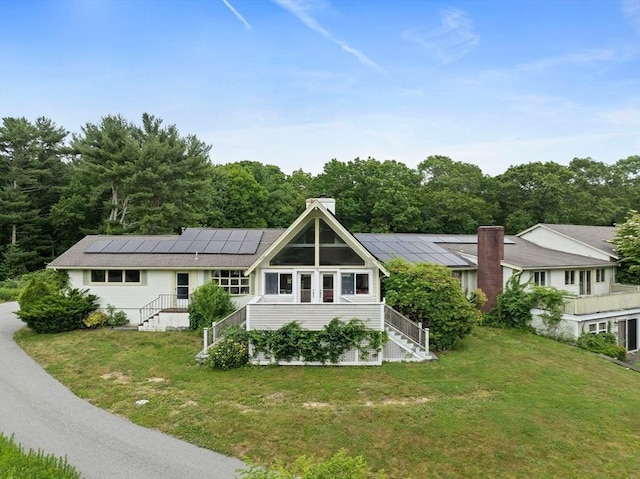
{"type": "Point", "coordinates": [123, 177]}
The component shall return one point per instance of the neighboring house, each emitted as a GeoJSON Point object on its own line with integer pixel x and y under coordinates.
{"type": "Point", "coordinates": [316, 270]}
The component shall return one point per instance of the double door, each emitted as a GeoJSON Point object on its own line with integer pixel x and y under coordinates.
{"type": "Point", "coordinates": [317, 287]}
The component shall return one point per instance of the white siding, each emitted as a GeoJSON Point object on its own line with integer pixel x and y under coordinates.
{"type": "Point", "coordinates": [551, 240]}
{"type": "Point", "coordinates": [265, 316]}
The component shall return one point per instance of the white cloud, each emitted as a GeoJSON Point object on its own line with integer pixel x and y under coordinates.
{"type": "Point", "coordinates": [302, 10]}
{"type": "Point", "coordinates": [236, 13]}
{"type": "Point", "coordinates": [451, 41]}
{"type": "Point", "coordinates": [631, 10]}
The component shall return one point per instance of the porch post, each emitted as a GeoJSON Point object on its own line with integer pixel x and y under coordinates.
{"type": "Point", "coordinates": [206, 339]}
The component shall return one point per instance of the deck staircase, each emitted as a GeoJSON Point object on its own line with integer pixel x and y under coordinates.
{"type": "Point", "coordinates": [165, 313]}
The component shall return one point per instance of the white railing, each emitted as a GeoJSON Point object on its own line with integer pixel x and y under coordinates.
{"type": "Point", "coordinates": [162, 302]}
{"type": "Point", "coordinates": [412, 331]}
{"type": "Point", "coordinates": [212, 334]}
{"type": "Point", "coordinates": [602, 303]}
{"type": "Point", "coordinates": [625, 288]}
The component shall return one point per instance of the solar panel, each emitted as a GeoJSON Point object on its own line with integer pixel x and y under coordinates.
{"type": "Point", "coordinates": [205, 235]}
{"type": "Point", "coordinates": [114, 246]}
{"type": "Point", "coordinates": [214, 247]}
{"type": "Point", "coordinates": [147, 246]}
{"type": "Point", "coordinates": [131, 246]}
{"type": "Point", "coordinates": [163, 246]}
{"type": "Point", "coordinates": [198, 246]}
{"type": "Point", "coordinates": [181, 247]}
{"type": "Point", "coordinates": [97, 247]}
{"type": "Point", "coordinates": [237, 235]}
{"type": "Point", "coordinates": [189, 234]}
{"type": "Point", "coordinates": [248, 247]}
{"type": "Point", "coordinates": [222, 235]}
{"type": "Point", "coordinates": [231, 247]}
{"type": "Point", "coordinates": [253, 236]}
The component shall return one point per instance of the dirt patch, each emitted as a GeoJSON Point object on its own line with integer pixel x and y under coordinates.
{"type": "Point", "coordinates": [156, 380]}
{"type": "Point", "coordinates": [117, 377]}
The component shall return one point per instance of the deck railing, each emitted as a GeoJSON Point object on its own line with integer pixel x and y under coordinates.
{"type": "Point", "coordinates": [162, 302]}
{"type": "Point", "coordinates": [412, 331]}
{"type": "Point", "coordinates": [212, 334]}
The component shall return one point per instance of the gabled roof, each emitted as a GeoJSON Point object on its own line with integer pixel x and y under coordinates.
{"type": "Point", "coordinates": [313, 208]}
{"type": "Point", "coordinates": [596, 237]}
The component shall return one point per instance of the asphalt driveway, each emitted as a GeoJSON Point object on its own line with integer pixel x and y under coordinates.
{"type": "Point", "coordinates": [43, 414]}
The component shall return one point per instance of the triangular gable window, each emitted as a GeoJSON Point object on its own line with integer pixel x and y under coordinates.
{"type": "Point", "coordinates": [332, 250]}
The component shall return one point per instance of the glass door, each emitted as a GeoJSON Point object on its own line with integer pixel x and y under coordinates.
{"type": "Point", "coordinates": [328, 281]}
{"type": "Point", "coordinates": [306, 290]}
{"type": "Point", "coordinates": [182, 288]}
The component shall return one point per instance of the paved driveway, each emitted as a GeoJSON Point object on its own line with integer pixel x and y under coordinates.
{"type": "Point", "coordinates": [43, 414]}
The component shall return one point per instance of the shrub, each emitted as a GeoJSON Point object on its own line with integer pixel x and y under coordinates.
{"type": "Point", "coordinates": [338, 466]}
{"type": "Point", "coordinates": [429, 294]}
{"type": "Point", "coordinates": [231, 351]}
{"type": "Point", "coordinates": [116, 318]}
{"type": "Point", "coordinates": [602, 343]}
{"type": "Point", "coordinates": [96, 319]}
{"type": "Point", "coordinates": [16, 463]}
{"type": "Point", "coordinates": [9, 290]}
{"type": "Point", "coordinates": [47, 309]}
{"type": "Point", "coordinates": [209, 303]}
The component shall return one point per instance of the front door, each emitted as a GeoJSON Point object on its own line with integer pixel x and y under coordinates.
{"type": "Point", "coordinates": [328, 282]}
{"type": "Point", "coordinates": [182, 288]}
{"type": "Point", "coordinates": [585, 282]}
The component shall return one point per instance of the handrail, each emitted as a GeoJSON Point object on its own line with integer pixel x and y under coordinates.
{"type": "Point", "coordinates": [164, 301]}
{"type": "Point", "coordinates": [413, 332]}
{"type": "Point", "coordinates": [212, 334]}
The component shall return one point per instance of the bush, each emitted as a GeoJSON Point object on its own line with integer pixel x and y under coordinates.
{"type": "Point", "coordinates": [116, 318]}
{"type": "Point", "coordinates": [9, 290]}
{"type": "Point", "coordinates": [47, 309]}
{"type": "Point", "coordinates": [209, 303]}
{"type": "Point", "coordinates": [602, 343]}
{"type": "Point", "coordinates": [339, 466]}
{"type": "Point", "coordinates": [231, 351]}
{"type": "Point", "coordinates": [429, 294]}
{"type": "Point", "coordinates": [15, 463]}
{"type": "Point", "coordinates": [96, 319]}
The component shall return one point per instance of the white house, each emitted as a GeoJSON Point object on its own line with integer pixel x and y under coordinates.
{"type": "Point", "coordinates": [316, 270]}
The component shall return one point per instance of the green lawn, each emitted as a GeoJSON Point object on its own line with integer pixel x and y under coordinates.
{"type": "Point", "coordinates": [505, 404]}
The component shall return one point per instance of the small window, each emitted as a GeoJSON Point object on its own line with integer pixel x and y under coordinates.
{"type": "Point", "coordinates": [570, 277]}
{"type": "Point", "coordinates": [354, 283]}
{"type": "Point", "coordinates": [115, 276]}
{"type": "Point", "coordinates": [278, 283]}
{"type": "Point", "coordinates": [600, 275]}
{"type": "Point", "coordinates": [595, 328]}
{"type": "Point", "coordinates": [540, 278]}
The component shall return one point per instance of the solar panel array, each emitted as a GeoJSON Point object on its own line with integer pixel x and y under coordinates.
{"type": "Point", "coordinates": [416, 248]}
{"type": "Point", "coordinates": [191, 241]}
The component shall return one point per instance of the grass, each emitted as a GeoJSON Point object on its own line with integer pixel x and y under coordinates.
{"type": "Point", "coordinates": [15, 463]}
{"type": "Point", "coordinates": [505, 404]}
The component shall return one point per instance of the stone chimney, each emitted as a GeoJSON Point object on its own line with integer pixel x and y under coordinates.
{"type": "Point", "coordinates": [328, 203]}
{"type": "Point", "coordinates": [490, 254]}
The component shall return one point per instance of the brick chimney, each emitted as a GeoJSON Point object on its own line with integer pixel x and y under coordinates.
{"type": "Point", "coordinates": [490, 254]}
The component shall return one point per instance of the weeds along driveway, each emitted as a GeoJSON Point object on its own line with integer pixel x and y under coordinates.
{"type": "Point", "coordinates": [43, 414]}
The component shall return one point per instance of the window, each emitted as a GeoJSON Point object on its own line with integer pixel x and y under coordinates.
{"type": "Point", "coordinates": [231, 280]}
{"type": "Point", "coordinates": [540, 278]}
{"type": "Point", "coordinates": [600, 275]}
{"type": "Point", "coordinates": [595, 328]}
{"type": "Point", "coordinates": [278, 283]}
{"type": "Point", "coordinates": [115, 276]}
{"type": "Point", "coordinates": [355, 283]}
{"type": "Point", "coordinates": [570, 277]}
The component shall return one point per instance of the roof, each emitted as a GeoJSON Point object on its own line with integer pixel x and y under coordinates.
{"type": "Point", "coordinates": [105, 251]}
{"type": "Point", "coordinates": [598, 237]}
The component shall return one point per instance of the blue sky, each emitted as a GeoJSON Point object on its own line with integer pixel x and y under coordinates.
{"type": "Point", "coordinates": [296, 83]}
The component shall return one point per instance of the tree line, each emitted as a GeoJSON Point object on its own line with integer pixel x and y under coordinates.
{"type": "Point", "coordinates": [119, 177]}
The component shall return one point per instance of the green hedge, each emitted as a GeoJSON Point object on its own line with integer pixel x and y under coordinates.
{"type": "Point", "coordinates": [603, 343]}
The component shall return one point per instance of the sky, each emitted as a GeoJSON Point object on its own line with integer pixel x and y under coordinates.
{"type": "Point", "coordinates": [296, 83]}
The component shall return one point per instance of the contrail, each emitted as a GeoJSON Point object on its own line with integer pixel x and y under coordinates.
{"type": "Point", "coordinates": [236, 13]}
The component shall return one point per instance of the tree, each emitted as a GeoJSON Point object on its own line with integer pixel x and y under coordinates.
{"type": "Point", "coordinates": [130, 179]}
{"type": "Point", "coordinates": [209, 303]}
{"type": "Point", "coordinates": [455, 196]}
{"type": "Point", "coordinates": [32, 173]}
{"type": "Point", "coordinates": [372, 196]}
{"type": "Point", "coordinates": [429, 294]}
{"type": "Point", "coordinates": [627, 245]}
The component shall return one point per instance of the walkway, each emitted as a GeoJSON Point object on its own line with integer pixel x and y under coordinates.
{"type": "Point", "coordinates": [43, 414]}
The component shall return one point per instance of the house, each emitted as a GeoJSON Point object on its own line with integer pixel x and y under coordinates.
{"type": "Point", "coordinates": [316, 270]}
{"type": "Point", "coordinates": [312, 272]}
